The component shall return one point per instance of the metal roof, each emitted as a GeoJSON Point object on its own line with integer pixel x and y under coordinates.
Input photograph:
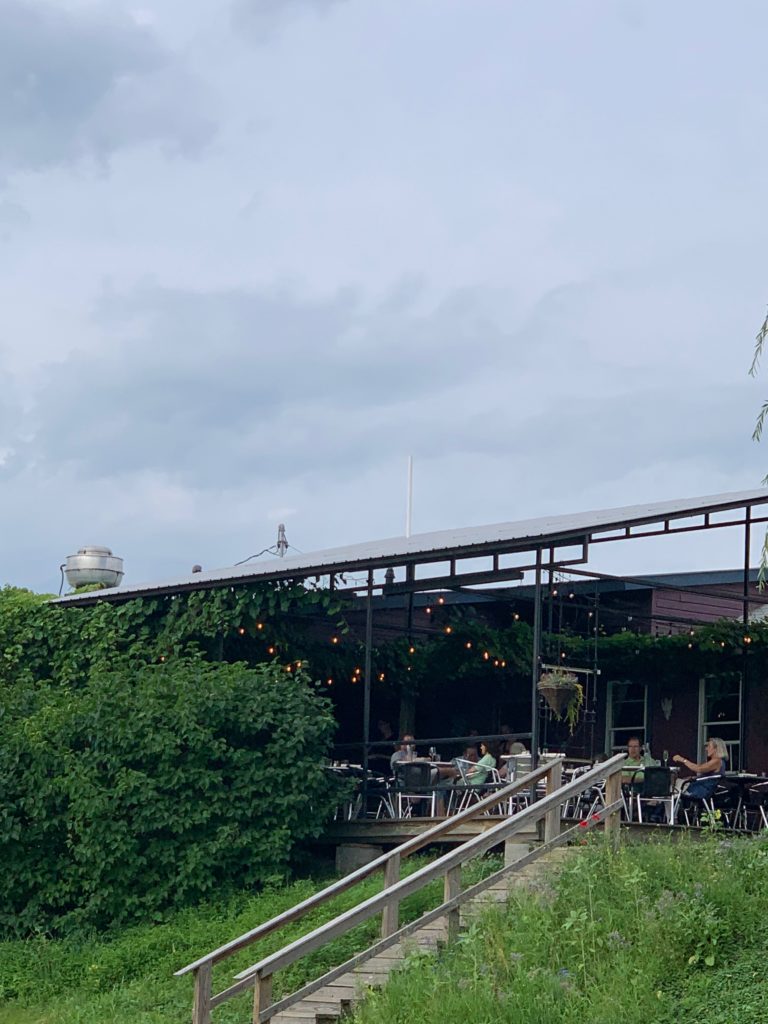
{"type": "Point", "coordinates": [442, 545]}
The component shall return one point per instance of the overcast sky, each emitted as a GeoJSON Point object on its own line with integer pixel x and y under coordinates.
{"type": "Point", "coordinates": [254, 253]}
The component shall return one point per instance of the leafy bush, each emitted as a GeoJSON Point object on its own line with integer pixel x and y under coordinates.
{"type": "Point", "coordinates": [153, 787]}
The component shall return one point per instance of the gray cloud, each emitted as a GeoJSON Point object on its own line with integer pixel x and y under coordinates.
{"type": "Point", "coordinates": [211, 385]}
{"type": "Point", "coordinates": [77, 83]}
{"type": "Point", "coordinates": [260, 18]}
{"type": "Point", "coordinates": [208, 389]}
{"type": "Point", "coordinates": [13, 218]}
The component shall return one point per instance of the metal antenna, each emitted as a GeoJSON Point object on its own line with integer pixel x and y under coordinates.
{"type": "Point", "coordinates": [409, 499]}
{"type": "Point", "coordinates": [282, 542]}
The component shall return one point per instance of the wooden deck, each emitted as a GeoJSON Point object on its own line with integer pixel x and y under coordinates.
{"type": "Point", "coordinates": [393, 831]}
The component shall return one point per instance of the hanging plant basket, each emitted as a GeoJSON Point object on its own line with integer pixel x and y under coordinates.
{"type": "Point", "coordinates": [564, 695]}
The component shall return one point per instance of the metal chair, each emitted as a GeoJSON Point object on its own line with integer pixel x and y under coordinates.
{"type": "Point", "coordinates": [584, 804]}
{"type": "Point", "coordinates": [693, 806]}
{"type": "Point", "coordinates": [413, 785]}
{"type": "Point", "coordinates": [380, 798]}
{"type": "Point", "coordinates": [465, 791]}
{"type": "Point", "coordinates": [756, 807]}
{"type": "Point", "coordinates": [657, 788]}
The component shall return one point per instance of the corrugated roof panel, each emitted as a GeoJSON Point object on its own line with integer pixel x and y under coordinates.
{"type": "Point", "coordinates": [523, 535]}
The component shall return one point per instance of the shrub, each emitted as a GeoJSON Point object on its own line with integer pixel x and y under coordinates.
{"type": "Point", "coordinates": [154, 787]}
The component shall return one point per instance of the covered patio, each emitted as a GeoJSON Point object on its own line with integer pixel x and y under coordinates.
{"type": "Point", "coordinates": [521, 560]}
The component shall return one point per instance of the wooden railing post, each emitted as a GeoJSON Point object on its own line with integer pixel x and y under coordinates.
{"type": "Point", "coordinates": [451, 889]}
{"type": "Point", "coordinates": [201, 1008]}
{"type": "Point", "coordinates": [552, 820]}
{"type": "Point", "coordinates": [613, 793]}
{"type": "Point", "coordinates": [262, 996]}
{"type": "Point", "coordinates": [390, 918]}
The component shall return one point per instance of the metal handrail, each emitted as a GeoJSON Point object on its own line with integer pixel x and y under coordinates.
{"type": "Point", "coordinates": [259, 975]}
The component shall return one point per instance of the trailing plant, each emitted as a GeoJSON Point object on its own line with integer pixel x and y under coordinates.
{"type": "Point", "coordinates": [564, 694]}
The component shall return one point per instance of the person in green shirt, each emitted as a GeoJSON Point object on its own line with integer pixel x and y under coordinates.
{"type": "Point", "coordinates": [634, 761]}
{"type": "Point", "coordinates": [477, 775]}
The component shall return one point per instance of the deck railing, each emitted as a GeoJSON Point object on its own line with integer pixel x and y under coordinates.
{"type": "Point", "coordinates": [387, 903]}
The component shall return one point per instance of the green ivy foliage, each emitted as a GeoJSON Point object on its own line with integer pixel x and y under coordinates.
{"type": "Point", "coordinates": [154, 788]}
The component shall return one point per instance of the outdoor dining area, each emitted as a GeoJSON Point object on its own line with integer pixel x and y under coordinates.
{"type": "Point", "coordinates": [410, 786]}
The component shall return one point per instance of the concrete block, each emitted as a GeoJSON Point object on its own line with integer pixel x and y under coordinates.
{"type": "Point", "coordinates": [350, 856]}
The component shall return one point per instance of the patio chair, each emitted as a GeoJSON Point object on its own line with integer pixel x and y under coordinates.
{"type": "Point", "coordinates": [380, 803]}
{"type": "Point", "coordinates": [756, 807]}
{"type": "Point", "coordinates": [724, 798]}
{"type": "Point", "coordinates": [585, 803]}
{"type": "Point", "coordinates": [413, 787]}
{"type": "Point", "coordinates": [729, 800]}
{"type": "Point", "coordinates": [656, 789]}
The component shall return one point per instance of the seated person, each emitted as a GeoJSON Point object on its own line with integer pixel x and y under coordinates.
{"type": "Point", "coordinates": [405, 752]}
{"type": "Point", "coordinates": [477, 775]}
{"type": "Point", "coordinates": [514, 749]}
{"type": "Point", "coordinates": [710, 771]}
{"type": "Point", "coordinates": [470, 753]}
{"type": "Point", "coordinates": [632, 773]}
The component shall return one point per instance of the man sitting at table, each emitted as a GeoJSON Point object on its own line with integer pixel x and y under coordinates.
{"type": "Point", "coordinates": [632, 771]}
{"type": "Point", "coordinates": [405, 752]}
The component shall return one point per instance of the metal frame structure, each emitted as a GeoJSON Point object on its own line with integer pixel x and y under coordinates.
{"type": "Point", "coordinates": [407, 565]}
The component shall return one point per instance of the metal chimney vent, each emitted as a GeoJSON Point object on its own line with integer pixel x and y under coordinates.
{"type": "Point", "coordinates": [93, 564]}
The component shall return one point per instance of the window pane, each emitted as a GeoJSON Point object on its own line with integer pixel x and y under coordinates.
{"type": "Point", "coordinates": [729, 733]}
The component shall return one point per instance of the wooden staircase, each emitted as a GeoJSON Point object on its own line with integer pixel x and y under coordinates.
{"type": "Point", "coordinates": [339, 998]}
{"type": "Point", "coordinates": [328, 998]}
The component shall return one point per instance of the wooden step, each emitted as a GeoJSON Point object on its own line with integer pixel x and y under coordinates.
{"type": "Point", "coordinates": [331, 1003]}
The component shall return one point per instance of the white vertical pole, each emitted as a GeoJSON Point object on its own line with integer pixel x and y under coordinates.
{"type": "Point", "coordinates": [409, 503]}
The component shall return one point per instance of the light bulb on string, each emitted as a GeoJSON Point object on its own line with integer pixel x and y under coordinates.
{"type": "Point", "coordinates": [486, 655]}
{"type": "Point", "coordinates": [259, 625]}
{"type": "Point", "coordinates": [441, 600]}
{"type": "Point", "coordinates": [468, 645]}
{"type": "Point", "coordinates": [241, 631]}
{"type": "Point", "coordinates": [449, 629]}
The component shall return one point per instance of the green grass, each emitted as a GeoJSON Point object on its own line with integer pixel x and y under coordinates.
{"type": "Point", "coordinates": [128, 976]}
{"type": "Point", "coordinates": [658, 932]}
